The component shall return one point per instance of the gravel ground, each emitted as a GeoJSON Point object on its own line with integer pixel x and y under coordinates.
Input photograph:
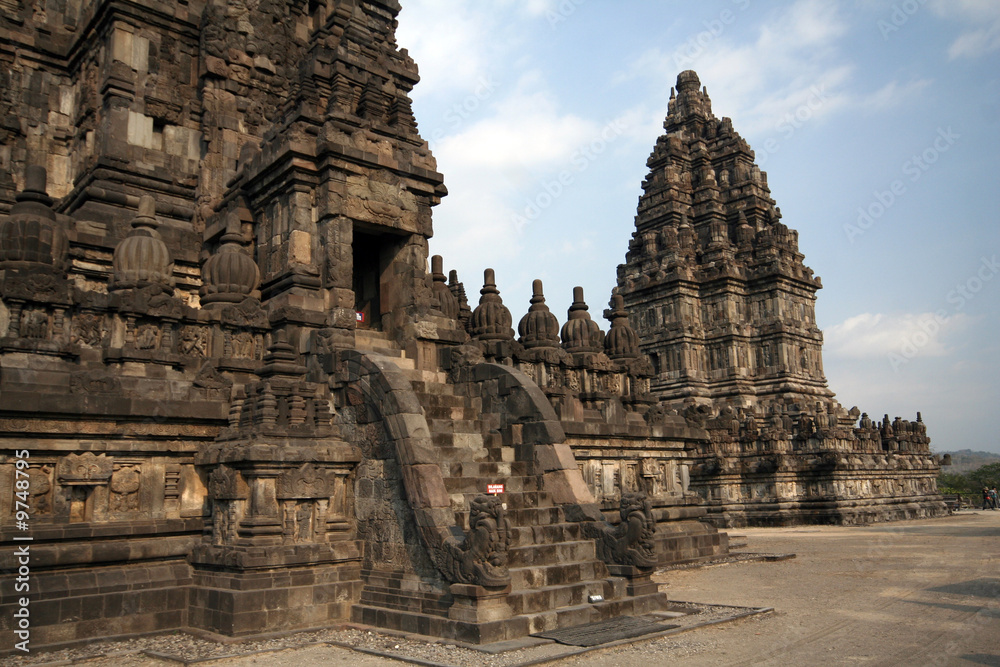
{"type": "Point", "coordinates": [182, 647]}
{"type": "Point", "coordinates": [913, 593]}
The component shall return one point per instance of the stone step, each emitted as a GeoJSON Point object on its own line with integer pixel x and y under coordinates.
{"type": "Point", "coordinates": [470, 441]}
{"type": "Point", "coordinates": [449, 453]}
{"type": "Point", "coordinates": [546, 598]}
{"type": "Point", "coordinates": [561, 554]}
{"type": "Point", "coordinates": [443, 400]}
{"type": "Point", "coordinates": [428, 378]}
{"type": "Point", "coordinates": [378, 342]}
{"type": "Point", "coordinates": [567, 617]}
{"type": "Point", "coordinates": [432, 384]}
{"type": "Point", "coordinates": [613, 606]}
{"type": "Point", "coordinates": [567, 574]}
{"type": "Point", "coordinates": [529, 496]}
{"type": "Point", "coordinates": [523, 621]}
{"type": "Point", "coordinates": [549, 534]}
{"type": "Point", "coordinates": [535, 516]}
{"type": "Point", "coordinates": [491, 469]}
{"type": "Point", "coordinates": [439, 421]}
{"type": "Point", "coordinates": [391, 352]}
{"type": "Point", "coordinates": [471, 486]}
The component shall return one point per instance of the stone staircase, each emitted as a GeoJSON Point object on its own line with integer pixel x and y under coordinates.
{"type": "Point", "coordinates": [554, 569]}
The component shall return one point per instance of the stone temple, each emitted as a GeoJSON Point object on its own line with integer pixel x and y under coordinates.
{"type": "Point", "coordinates": [235, 398]}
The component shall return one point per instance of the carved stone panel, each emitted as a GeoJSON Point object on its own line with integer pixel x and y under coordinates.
{"type": "Point", "coordinates": [124, 487]}
{"type": "Point", "coordinates": [85, 469]}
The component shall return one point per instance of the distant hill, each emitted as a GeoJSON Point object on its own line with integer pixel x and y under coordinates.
{"type": "Point", "coordinates": [966, 460]}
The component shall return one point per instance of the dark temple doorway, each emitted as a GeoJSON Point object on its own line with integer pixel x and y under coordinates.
{"type": "Point", "coordinates": [368, 267]}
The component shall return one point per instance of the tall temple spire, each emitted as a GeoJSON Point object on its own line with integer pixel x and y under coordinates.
{"type": "Point", "coordinates": [704, 305]}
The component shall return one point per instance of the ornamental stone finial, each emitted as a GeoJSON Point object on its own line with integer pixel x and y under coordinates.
{"type": "Point", "coordinates": [539, 327]}
{"type": "Point", "coordinates": [580, 333]}
{"type": "Point", "coordinates": [491, 320]}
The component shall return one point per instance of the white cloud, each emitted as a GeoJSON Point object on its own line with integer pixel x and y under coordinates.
{"type": "Point", "coordinates": [535, 7]}
{"type": "Point", "coordinates": [982, 35]}
{"type": "Point", "coordinates": [505, 161]}
{"type": "Point", "coordinates": [893, 94]}
{"type": "Point", "coordinates": [526, 130]}
{"type": "Point", "coordinates": [449, 40]}
{"type": "Point", "coordinates": [875, 335]}
{"type": "Point", "coordinates": [792, 62]}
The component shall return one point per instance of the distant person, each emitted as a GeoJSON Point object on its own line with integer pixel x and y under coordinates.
{"type": "Point", "coordinates": [994, 498]}
{"type": "Point", "coordinates": [987, 499]}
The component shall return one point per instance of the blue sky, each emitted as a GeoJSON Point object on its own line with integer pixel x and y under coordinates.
{"type": "Point", "coordinates": [878, 124]}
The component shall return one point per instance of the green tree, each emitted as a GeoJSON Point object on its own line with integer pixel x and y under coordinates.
{"type": "Point", "coordinates": [987, 475]}
{"type": "Point", "coordinates": [956, 483]}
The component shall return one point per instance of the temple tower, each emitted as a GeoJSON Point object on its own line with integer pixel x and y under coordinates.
{"type": "Point", "coordinates": [713, 280]}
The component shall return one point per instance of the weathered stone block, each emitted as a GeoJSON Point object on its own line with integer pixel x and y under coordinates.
{"type": "Point", "coordinates": [558, 456]}
{"type": "Point", "coordinates": [566, 487]}
{"type": "Point", "coordinates": [425, 486]}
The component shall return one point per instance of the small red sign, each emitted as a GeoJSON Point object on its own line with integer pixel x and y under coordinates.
{"type": "Point", "coordinates": [494, 489]}
{"type": "Point", "coordinates": [361, 316]}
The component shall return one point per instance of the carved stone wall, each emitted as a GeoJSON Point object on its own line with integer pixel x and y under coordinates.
{"type": "Point", "coordinates": [383, 514]}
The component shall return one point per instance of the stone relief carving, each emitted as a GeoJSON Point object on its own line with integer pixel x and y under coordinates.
{"type": "Point", "coordinates": [210, 378]}
{"type": "Point", "coordinates": [34, 324]}
{"type": "Point", "coordinates": [94, 382]}
{"type": "Point", "coordinates": [147, 337]}
{"type": "Point", "coordinates": [242, 345]}
{"type": "Point", "coordinates": [229, 492]}
{"type": "Point", "coordinates": [87, 468]}
{"type": "Point", "coordinates": [225, 483]}
{"type": "Point", "coordinates": [124, 487]}
{"type": "Point", "coordinates": [88, 329]}
{"type": "Point", "coordinates": [631, 541]}
{"type": "Point", "coordinates": [39, 485]}
{"type": "Point", "coordinates": [193, 341]}
{"type": "Point", "coordinates": [304, 482]}
{"type": "Point", "coordinates": [248, 313]}
{"type": "Point", "coordinates": [481, 558]}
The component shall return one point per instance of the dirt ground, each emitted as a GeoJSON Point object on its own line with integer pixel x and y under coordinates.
{"type": "Point", "coordinates": [908, 593]}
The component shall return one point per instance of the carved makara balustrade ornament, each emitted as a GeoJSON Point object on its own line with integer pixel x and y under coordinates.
{"type": "Point", "coordinates": [481, 558]}
{"type": "Point", "coordinates": [629, 543]}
